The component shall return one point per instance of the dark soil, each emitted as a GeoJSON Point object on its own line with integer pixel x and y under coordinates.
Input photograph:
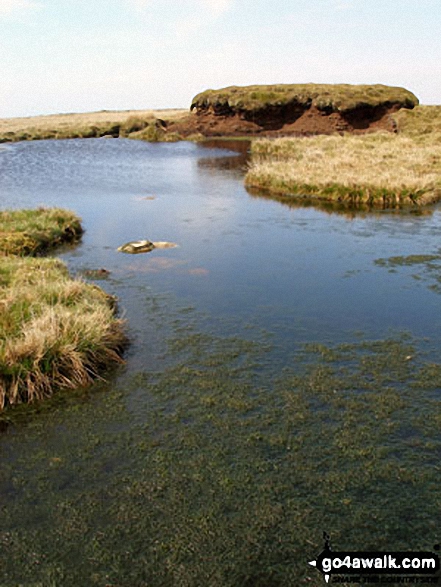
{"type": "Point", "coordinates": [285, 120]}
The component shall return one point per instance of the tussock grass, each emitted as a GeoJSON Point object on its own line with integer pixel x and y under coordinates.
{"type": "Point", "coordinates": [378, 169]}
{"type": "Point", "coordinates": [340, 97]}
{"type": "Point", "coordinates": [31, 232]}
{"type": "Point", "coordinates": [55, 331]}
{"type": "Point", "coordinates": [135, 124]}
{"type": "Point", "coordinates": [155, 133]}
{"type": "Point", "coordinates": [86, 125]}
{"type": "Point", "coordinates": [423, 123]}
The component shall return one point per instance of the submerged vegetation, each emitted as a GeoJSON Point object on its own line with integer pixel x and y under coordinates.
{"type": "Point", "coordinates": [55, 331]}
{"type": "Point", "coordinates": [424, 267]}
{"type": "Point", "coordinates": [378, 169]}
{"type": "Point", "coordinates": [226, 474]}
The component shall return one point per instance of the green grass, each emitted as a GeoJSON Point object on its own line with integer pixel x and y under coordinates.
{"type": "Point", "coordinates": [340, 97]}
{"type": "Point", "coordinates": [55, 331]}
{"type": "Point", "coordinates": [32, 232]}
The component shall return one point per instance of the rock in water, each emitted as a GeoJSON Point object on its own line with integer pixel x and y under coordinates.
{"type": "Point", "coordinates": [142, 246]}
{"type": "Point", "coordinates": [145, 246]}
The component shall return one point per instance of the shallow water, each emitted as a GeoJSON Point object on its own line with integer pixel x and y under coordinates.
{"type": "Point", "coordinates": [224, 448]}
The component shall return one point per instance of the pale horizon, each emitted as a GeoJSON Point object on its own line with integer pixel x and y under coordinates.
{"type": "Point", "coordinates": [74, 56]}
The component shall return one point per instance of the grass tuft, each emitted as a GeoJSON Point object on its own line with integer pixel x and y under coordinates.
{"type": "Point", "coordinates": [55, 331]}
{"type": "Point", "coordinates": [31, 232]}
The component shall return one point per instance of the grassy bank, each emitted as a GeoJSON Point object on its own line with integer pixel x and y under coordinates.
{"type": "Point", "coordinates": [380, 170]}
{"type": "Point", "coordinates": [88, 125]}
{"type": "Point", "coordinates": [55, 331]}
{"type": "Point", "coordinates": [32, 232]}
{"type": "Point", "coordinates": [339, 97]}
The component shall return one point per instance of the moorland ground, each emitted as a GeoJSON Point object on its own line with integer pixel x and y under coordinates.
{"type": "Point", "coordinates": [379, 169]}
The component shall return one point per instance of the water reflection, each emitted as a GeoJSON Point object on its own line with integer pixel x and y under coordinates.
{"type": "Point", "coordinates": [236, 162]}
{"type": "Point", "coordinates": [349, 211]}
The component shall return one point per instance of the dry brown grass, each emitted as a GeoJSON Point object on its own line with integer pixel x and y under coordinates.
{"type": "Point", "coordinates": [89, 124]}
{"type": "Point", "coordinates": [55, 331]}
{"type": "Point", "coordinates": [423, 123]}
{"type": "Point", "coordinates": [378, 169]}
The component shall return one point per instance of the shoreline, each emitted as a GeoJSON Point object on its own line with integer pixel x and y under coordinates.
{"type": "Point", "coordinates": [87, 125]}
{"type": "Point", "coordinates": [378, 170]}
{"type": "Point", "coordinates": [275, 170]}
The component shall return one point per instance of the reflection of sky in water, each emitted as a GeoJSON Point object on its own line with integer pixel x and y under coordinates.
{"type": "Point", "coordinates": [303, 272]}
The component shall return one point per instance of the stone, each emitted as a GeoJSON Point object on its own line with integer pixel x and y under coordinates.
{"type": "Point", "coordinates": [134, 247]}
{"type": "Point", "coordinates": [144, 246]}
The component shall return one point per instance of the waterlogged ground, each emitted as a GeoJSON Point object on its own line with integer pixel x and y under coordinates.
{"type": "Point", "coordinates": [283, 380]}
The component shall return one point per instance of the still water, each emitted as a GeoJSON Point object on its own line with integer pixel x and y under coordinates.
{"type": "Point", "coordinates": [225, 447]}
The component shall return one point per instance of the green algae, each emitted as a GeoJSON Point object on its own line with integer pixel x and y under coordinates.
{"type": "Point", "coordinates": [224, 467]}
{"type": "Point", "coordinates": [428, 267]}
{"type": "Point", "coordinates": [408, 260]}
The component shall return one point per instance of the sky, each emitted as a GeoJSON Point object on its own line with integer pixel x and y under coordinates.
{"type": "Point", "coordinates": [61, 56]}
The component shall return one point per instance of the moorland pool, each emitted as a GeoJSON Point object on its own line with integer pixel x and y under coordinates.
{"type": "Point", "coordinates": [282, 380]}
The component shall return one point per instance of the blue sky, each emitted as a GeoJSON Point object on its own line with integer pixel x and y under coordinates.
{"type": "Point", "coordinates": [85, 55]}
